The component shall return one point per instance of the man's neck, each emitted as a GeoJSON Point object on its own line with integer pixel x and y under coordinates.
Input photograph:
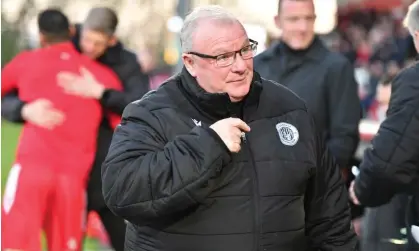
{"type": "Point", "coordinates": [52, 43]}
{"type": "Point", "coordinates": [290, 50]}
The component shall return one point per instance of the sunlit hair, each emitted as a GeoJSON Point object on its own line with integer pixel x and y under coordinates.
{"type": "Point", "coordinates": [411, 21]}
{"type": "Point", "coordinates": [214, 13]}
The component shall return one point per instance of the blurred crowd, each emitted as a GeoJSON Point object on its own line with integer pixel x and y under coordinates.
{"type": "Point", "coordinates": [379, 46]}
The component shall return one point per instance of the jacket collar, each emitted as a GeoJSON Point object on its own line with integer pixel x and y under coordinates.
{"type": "Point", "coordinates": [216, 105]}
{"type": "Point", "coordinates": [315, 51]}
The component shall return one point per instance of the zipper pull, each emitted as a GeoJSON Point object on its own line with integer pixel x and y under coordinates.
{"type": "Point", "coordinates": [243, 136]}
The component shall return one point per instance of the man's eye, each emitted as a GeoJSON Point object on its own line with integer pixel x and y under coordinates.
{"type": "Point", "coordinates": [223, 57]}
{"type": "Point", "coordinates": [247, 49]}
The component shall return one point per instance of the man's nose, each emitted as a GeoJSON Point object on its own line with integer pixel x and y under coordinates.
{"type": "Point", "coordinates": [302, 25]}
{"type": "Point", "coordinates": [239, 64]}
{"type": "Point", "coordinates": [90, 46]}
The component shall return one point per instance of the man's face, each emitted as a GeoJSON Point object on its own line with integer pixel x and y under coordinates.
{"type": "Point", "coordinates": [415, 35]}
{"type": "Point", "coordinates": [93, 43]}
{"type": "Point", "coordinates": [296, 20]}
{"type": "Point", "coordinates": [392, 68]}
{"type": "Point", "coordinates": [383, 94]}
{"type": "Point", "coordinates": [215, 39]}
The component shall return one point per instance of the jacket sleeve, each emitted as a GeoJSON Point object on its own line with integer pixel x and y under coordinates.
{"type": "Point", "coordinates": [147, 178]}
{"type": "Point", "coordinates": [344, 112]}
{"type": "Point", "coordinates": [113, 83]}
{"type": "Point", "coordinates": [11, 107]}
{"type": "Point", "coordinates": [390, 166]}
{"type": "Point", "coordinates": [328, 216]}
{"type": "Point", "coordinates": [135, 83]}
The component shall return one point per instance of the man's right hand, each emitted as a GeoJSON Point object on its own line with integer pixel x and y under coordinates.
{"type": "Point", "coordinates": [42, 113]}
{"type": "Point", "coordinates": [83, 85]}
{"type": "Point", "coordinates": [230, 131]}
{"type": "Point", "coordinates": [352, 194]}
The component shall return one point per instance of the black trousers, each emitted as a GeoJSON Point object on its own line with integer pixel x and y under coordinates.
{"type": "Point", "coordinates": [114, 225]}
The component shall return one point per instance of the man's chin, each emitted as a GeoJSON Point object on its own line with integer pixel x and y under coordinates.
{"type": "Point", "coordinates": [301, 44]}
{"type": "Point", "coordinates": [238, 96]}
{"type": "Point", "coordinates": [236, 99]}
{"type": "Point", "coordinates": [91, 56]}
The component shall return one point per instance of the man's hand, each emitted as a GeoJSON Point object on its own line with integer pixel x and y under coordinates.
{"type": "Point", "coordinates": [42, 113]}
{"type": "Point", "coordinates": [352, 194]}
{"type": "Point", "coordinates": [357, 225]}
{"type": "Point", "coordinates": [230, 131]}
{"type": "Point", "coordinates": [84, 85]}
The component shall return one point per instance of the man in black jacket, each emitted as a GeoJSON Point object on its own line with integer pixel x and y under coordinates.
{"type": "Point", "coordinates": [220, 159]}
{"type": "Point", "coordinates": [391, 166]}
{"type": "Point", "coordinates": [95, 39]}
{"type": "Point", "coordinates": [323, 79]}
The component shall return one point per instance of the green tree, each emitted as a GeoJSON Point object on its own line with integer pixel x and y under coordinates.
{"type": "Point", "coordinates": [9, 42]}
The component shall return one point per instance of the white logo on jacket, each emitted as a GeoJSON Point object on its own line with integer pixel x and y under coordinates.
{"type": "Point", "coordinates": [288, 134]}
{"type": "Point", "coordinates": [197, 123]}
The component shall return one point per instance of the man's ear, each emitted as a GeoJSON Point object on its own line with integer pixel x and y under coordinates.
{"type": "Point", "coordinates": [189, 64]}
{"type": "Point", "coordinates": [42, 40]}
{"type": "Point", "coordinates": [277, 23]}
{"type": "Point", "coordinates": [72, 30]}
{"type": "Point", "coordinates": [113, 41]}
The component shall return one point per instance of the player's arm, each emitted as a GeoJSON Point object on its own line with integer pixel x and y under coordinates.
{"type": "Point", "coordinates": [135, 84]}
{"type": "Point", "coordinates": [39, 112]}
{"type": "Point", "coordinates": [100, 84]}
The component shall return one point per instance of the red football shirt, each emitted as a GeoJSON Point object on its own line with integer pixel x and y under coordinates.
{"type": "Point", "coordinates": [70, 147]}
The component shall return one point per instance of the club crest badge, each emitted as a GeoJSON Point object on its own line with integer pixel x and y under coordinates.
{"type": "Point", "coordinates": [288, 134]}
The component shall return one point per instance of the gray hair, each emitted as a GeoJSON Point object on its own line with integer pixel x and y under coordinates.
{"type": "Point", "coordinates": [101, 19]}
{"type": "Point", "coordinates": [215, 13]}
{"type": "Point", "coordinates": [411, 21]}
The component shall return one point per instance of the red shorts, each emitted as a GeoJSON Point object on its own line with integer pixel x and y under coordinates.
{"type": "Point", "coordinates": [37, 199]}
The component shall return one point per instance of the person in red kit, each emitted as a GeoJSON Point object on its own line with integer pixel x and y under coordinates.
{"type": "Point", "coordinates": [46, 185]}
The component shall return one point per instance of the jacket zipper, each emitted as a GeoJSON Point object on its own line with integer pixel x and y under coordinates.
{"type": "Point", "coordinates": [255, 193]}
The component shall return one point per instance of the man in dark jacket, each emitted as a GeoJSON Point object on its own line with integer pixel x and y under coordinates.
{"type": "Point", "coordinates": [391, 166]}
{"type": "Point", "coordinates": [95, 39]}
{"type": "Point", "coordinates": [323, 79]}
{"type": "Point", "coordinates": [220, 159]}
